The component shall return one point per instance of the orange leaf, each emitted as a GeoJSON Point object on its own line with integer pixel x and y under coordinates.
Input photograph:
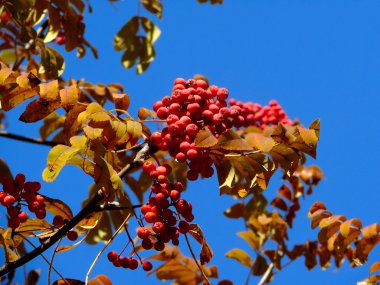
{"type": "Point", "coordinates": [374, 267]}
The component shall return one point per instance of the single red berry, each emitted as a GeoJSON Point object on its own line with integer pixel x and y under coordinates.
{"type": "Point", "coordinates": [147, 266]}
{"type": "Point", "coordinates": [158, 227]}
{"type": "Point", "coordinates": [133, 264]}
{"type": "Point", "coordinates": [159, 246]}
{"type": "Point", "coordinates": [14, 223]}
{"type": "Point", "coordinates": [58, 221]}
{"type": "Point", "coordinates": [112, 256]}
{"type": "Point", "coordinates": [23, 216]}
{"type": "Point", "coordinates": [8, 201]}
{"type": "Point", "coordinates": [40, 213]}
{"type": "Point", "coordinates": [150, 217]}
{"type": "Point", "coordinates": [143, 233]}
{"type": "Point", "coordinates": [148, 166]}
{"type": "Point", "coordinates": [72, 235]}
{"type": "Point", "coordinates": [147, 244]}
{"type": "Point", "coordinates": [60, 40]}
{"type": "Point", "coordinates": [125, 262]}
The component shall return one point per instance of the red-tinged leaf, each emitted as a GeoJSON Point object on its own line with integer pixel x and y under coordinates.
{"type": "Point", "coordinates": [231, 141]}
{"type": "Point", "coordinates": [236, 211]}
{"type": "Point", "coordinates": [316, 206]}
{"type": "Point", "coordinates": [33, 225]}
{"type": "Point", "coordinates": [327, 232]}
{"type": "Point", "coordinates": [56, 160]}
{"type": "Point", "coordinates": [39, 109]}
{"type": "Point", "coordinates": [206, 252]}
{"type": "Point", "coordinates": [16, 96]}
{"type": "Point", "coordinates": [69, 96]}
{"type": "Point", "coordinates": [251, 238]}
{"type": "Point", "coordinates": [241, 256]}
{"type": "Point", "coordinates": [145, 113]}
{"type": "Point", "coordinates": [371, 231]}
{"type": "Point", "coordinates": [89, 222]}
{"type": "Point", "coordinates": [285, 192]}
{"type": "Point", "coordinates": [347, 227]}
{"type": "Point", "coordinates": [133, 134]}
{"type": "Point", "coordinates": [71, 126]}
{"type": "Point", "coordinates": [122, 102]}
{"type": "Point", "coordinates": [279, 203]}
{"type": "Point", "coordinates": [306, 141]}
{"type": "Point", "coordinates": [374, 267]}
{"type": "Point", "coordinates": [260, 266]}
{"type": "Point", "coordinates": [57, 207]}
{"type": "Point", "coordinates": [316, 126]}
{"type": "Point", "coordinates": [205, 138]}
{"type": "Point", "coordinates": [260, 141]}
{"type": "Point", "coordinates": [285, 156]}
{"type": "Point", "coordinates": [181, 273]}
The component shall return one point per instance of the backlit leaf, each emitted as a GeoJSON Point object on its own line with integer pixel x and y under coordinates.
{"type": "Point", "coordinates": [33, 225]}
{"type": "Point", "coordinates": [206, 252]}
{"type": "Point", "coordinates": [240, 255]}
{"type": "Point", "coordinates": [145, 113]}
{"type": "Point", "coordinates": [251, 238]}
{"type": "Point", "coordinates": [236, 211]}
{"type": "Point", "coordinates": [122, 102]}
{"type": "Point", "coordinates": [56, 160]}
{"type": "Point", "coordinates": [153, 6]}
{"type": "Point", "coordinates": [260, 142]}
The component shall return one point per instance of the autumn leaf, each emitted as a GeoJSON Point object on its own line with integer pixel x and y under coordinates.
{"type": "Point", "coordinates": [240, 255]}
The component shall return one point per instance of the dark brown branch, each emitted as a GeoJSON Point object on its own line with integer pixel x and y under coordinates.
{"type": "Point", "coordinates": [91, 207]}
{"type": "Point", "coordinates": [27, 139]}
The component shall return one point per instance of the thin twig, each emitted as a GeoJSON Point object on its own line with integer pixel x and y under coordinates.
{"type": "Point", "coordinates": [105, 246]}
{"type": "Point", "coordinates": [47, 261]}
{"type": "Point", "coordinates": [266, 274]}
{"type": "Point", "coordinates": [52, 260]}
{"type": "Point", "coordinates": [27, 139]}
{"type": "Point", "coordinates": [196, 260]}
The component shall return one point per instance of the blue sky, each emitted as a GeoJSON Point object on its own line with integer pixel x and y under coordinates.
{"type": "Point", "coordinates": [319, 59]}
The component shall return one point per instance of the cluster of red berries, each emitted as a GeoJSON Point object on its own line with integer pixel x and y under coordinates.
{"type": "Point", "coordinates": [17, 190]}
{"type": "Point", "coordinates": [157, 211]}
{"type": "Point", "coordinates": [165, 224]}
{"type": "Point", "coordinates": [127, 262]}
{"type": "Point", "coordinates": [194, 105]}
{"type": "Point", "coordinates": [253, 114]}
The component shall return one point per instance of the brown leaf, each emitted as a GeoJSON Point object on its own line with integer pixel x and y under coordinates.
{"type": "Point", "coordinates": [279, 203]}
{"type": "Point", "coordinates": [206, 252]}
{"type": "Point", "coordinates": [260, 266]}
{"type": "Point", "coordinates": [33, 277]}
{"type": "Point", "coordinates": [347, 227]}
{"type": "Point", "coordinates": [235, 211]}
{"type": "Point", "coordinates": [121, 101]}
{"type": "Point", "coordinates": [371, 231]}
{"type": "Point", "coordinates": [285, 192]}
{"type": "Point", "coordinates": [374, 267]}
{"type": "Point", "coordinates": [12, 98]}
{"type": "Point", "coordinates": [57, 207]}
{"type": "Point", "coordinates": [229, 140]}
{"type": "Point", "coordinates": [205, 138]}
{"type": "Point", "coordinates": [260, 141]}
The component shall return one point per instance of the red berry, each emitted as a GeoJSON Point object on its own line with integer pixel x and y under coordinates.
{"type": "Point", "coordinates": [72, 235]}
{"type": "Point", "coordinates": [133, 264]}
{"type": "Point", "coordinates": [23, 217]}
{"type": "Point", "coordinates": [147, 244]}
{"type": "Point", "coordinates": [8, 201]}
{"type": "Point", "coordinates": [149, 166]}
{"type": "Point", "coordinates": [150, 217]}
{"type": "Point", "coordinates": [58, 221]}
{"type": "Point", "coordinates": [13, 223]}
{"type": "Point", "coordinates": [147, 266]}
{"type": "Point", "coordinates": [158, 227]}
{"type": "Point", "coordinates": [112, 256]}
{"type": "Point", "coordinates": [159, 246]}
{"type": "Point", "coordinates": [143, 233]}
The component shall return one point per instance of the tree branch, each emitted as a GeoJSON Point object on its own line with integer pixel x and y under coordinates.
{"type": "Point", "coordinates": [266, 274]}
{"type": "Point", "coordinates": [27, 139]}
{"type": "Point", "coordinates": [91, 207]}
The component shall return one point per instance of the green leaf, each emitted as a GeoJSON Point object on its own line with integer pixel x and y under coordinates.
{"type": "Point", "coordinates": [241, 256]}
{"type": "Point", "coordinates": [57, 159]}
{"type": "Point", "coordinates": [128, 32]}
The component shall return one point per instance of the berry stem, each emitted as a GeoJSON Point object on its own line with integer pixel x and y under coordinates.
{"type": "Point", "coordinates": [105, 246]}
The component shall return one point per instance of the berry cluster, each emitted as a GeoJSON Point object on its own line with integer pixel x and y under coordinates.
{"type": "Point", "coordinates": [194, 105]}
{"type": "Point", "coordinates": [157, 211]}
{"type": "Point", "coordinates": [127, 262]}
{"type": "Point", "coordinates": [17, 190]}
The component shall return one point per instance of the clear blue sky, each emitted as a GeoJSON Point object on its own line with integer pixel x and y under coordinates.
{"type": "Point", "coordinates": [319, 59]}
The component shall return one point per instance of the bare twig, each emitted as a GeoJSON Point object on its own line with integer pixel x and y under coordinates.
{"type": "Point", "coordinates": [47, 261]}
{"type": "Point", "coordinates": [52, 260]}
{"type": "Point", "coordinates": [27, 139]}
{"type": "Point", "coordinates": [105, 246]}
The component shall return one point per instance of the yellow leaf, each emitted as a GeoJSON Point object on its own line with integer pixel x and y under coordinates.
{"type": "Point", "coordinates": [240, 255]}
